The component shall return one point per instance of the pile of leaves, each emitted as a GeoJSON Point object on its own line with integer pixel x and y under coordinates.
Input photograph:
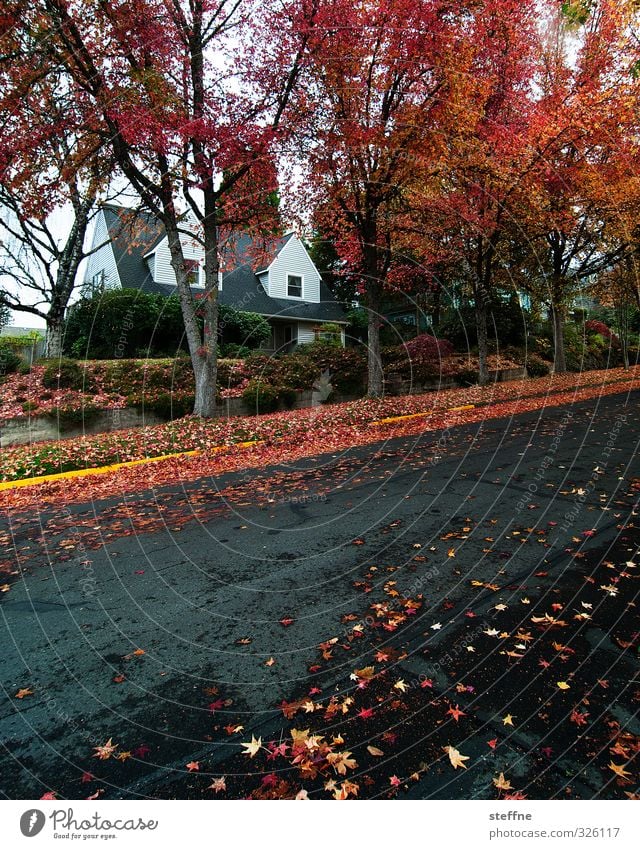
{"type": "Point", "coordinates": [287, 435]}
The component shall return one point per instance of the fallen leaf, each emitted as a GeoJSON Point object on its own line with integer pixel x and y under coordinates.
{"type": "Point", "coordinates": [456, 758]}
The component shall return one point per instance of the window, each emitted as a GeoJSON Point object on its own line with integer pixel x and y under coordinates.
{"type": "Point", "coordinates": [193, 272]}
{"type": "Point", "coordinates": [294, 286]}
{"type": "Point", "coordinates": [97, 282]}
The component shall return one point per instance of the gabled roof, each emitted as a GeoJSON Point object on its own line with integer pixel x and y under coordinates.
{"type": "Point", "coordinates": [133, 239]}
{"type": "Point", "coordinates": [132, 236]}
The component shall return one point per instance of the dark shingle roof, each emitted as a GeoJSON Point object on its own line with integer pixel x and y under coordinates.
{"type": "Point", "coordinates": [133, 237]}
{"type": "Point", "coordinates": [242, 289]}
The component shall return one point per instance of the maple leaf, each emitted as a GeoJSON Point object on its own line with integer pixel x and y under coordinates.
{"type": "Point", "coordinates": [341, 761]}
{"type": "Point", "coordinates": [234, 729]}
{"type": "Point", "coordinates": [123, 756]}
{"type": "Point", "coordinates": [456, 713]}
{"type": "Point", "coordinates": [502, 783]}
{"type": "Point", "coordinates": [302, 795]}
{"type": "Point", "coordinates": [373, 750]}
{"type": "Point", "coordinates": [269, 662]}
{"type": "Point", "coordinates": [104, 752]}
{"type": "Point", "coordinates": [562, 685]}
{"type": "Point", "coordinates": [366, 673]}
{"type": "Point", "coordinates": [49, 795]}
{"type": "Point", "coordinates": [456, 758]}
{"type": "Point", "coordinates": [400, 685]}
{"type": "Point", "coordinates": [492, 743]}
{"type": "Point", "coordinates": [507, 720]}
{"type": "Point", "coordinates": [25, 691]}
{"type": "Point", "coordinates": [619, 770]}
{"type": "Point", "coordinates": [365, 713]}
{"type": "Point", "coordinates": [253, 747]}
{"type": "Point", "coordinates": [218, 785]}
{"type": "Point", "coordinates": [286, 621]}
{"type": "Point", "coordinates": [193, 766]}
{"type": "Point", "coordinates": [394, 781]}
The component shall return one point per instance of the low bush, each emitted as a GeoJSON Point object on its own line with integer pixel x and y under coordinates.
{"type": "Point", "coordinates": [72, 416]}
{"type": "Point", "coordinates": [9, 360]}
{"type": "Point", "coordinates": [64, 374]}
{"type": "Point", "coordinates": [261, 397]}
{"type": "Point", "coordinates": [165, 405]}
{"type": "Point", "coordinates": [536, 366]}
{"type": "Point", "coordinates": [419, 359]}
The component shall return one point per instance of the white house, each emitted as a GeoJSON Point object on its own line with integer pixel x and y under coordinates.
{"type": "Point", "coordinates": [278, 280]}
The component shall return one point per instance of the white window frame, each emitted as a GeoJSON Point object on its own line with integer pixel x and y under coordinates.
{"type": "Point", "coordinates": [194, 269]}
{"type": "Point", "coordinates": [300, 277]}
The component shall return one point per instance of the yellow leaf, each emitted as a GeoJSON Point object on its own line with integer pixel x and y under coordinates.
{"type": "Point", "coordinates": [456, 758]}
{"type": "Point", "coordinates": [502, 783]}
{"type": "Point", "coordinates": [253, 747]}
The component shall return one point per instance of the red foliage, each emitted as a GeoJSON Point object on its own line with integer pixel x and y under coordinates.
{"type": "Point", "coordinates": [428, 348]}
{"type": "Point", "coordinates": [593, 326]}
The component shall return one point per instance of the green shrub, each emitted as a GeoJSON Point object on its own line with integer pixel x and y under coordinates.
{"type": "Point", "coordinates": [72, 416]}
{"type": "Point", "coordinates": [29, 406]}
{"type": "Point", "coordinates": [246, 330]}
{"type": "Point", "coordinates": [330, 334]}
{"type": "Point", "coordinates": [121, 322]}
{"type": "Point", "coordinates": [9, 360]}
{"type": "Point", "coordinates": [346, 366]}
{"type": "Point", "coordinates": [64, 374]}
{"type": "Point", "coordinates": [166, 405]}
{"type": "Point", "coordinates": [260, 397]}
{"type": "Point", "coordinates": [232, 350]}
{"type": "Point", "coordinates": [536, 366]}
{"type": "Point", "coordinates": [287, 395]}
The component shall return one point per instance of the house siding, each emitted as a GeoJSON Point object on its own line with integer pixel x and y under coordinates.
{"type": "Point", "coordinates": [305, 332]}
{"type": "Point", "coordinates": [103, 259]}
{"type": "Point", "coordinates": [161, 265]}
{"type": "Point", "coordinates": [293, 259]}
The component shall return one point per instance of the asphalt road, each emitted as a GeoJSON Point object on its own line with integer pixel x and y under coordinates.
{"type": "Point", "coordinates": [199, 579]}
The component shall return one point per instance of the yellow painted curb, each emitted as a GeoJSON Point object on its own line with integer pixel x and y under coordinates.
{"type": "Point", "coordinates": [391, 419]}
{"type": "Point", "coordinates": [103, 470]}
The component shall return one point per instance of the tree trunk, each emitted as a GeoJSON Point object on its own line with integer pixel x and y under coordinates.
{"type": "Point", "coordinates": [559, 357]}
{"type": "Point", "coordinates": [375, 375]}
{"type": "Point", "coordinates": [483, 340]}
{"type": "Point", "coordinates": [203, 353]}
{"type": "Point", "coordinates": [437, 301]}
{"type": "Point", "coordinates": [53, 344]}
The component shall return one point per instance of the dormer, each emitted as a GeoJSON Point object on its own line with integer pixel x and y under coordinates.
{"type": "Point", "coordinates": [291, 274]}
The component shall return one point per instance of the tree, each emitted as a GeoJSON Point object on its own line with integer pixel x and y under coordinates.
{"type": "Point", "coordinates": [379, 75]}
{"type": "Point", "coordinates": [464, 221]}
{"type": "Point", "coordinates": [579, 190]}
{"type": "Point", "coordinates": [51, 162]}
{"type": "Point", "coordinates": [191, 115]}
